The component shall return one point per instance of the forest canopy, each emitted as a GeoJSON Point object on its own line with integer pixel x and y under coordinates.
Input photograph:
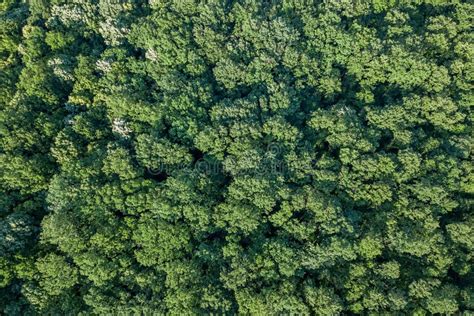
{"type": "Point", "coordinates": [185, 157]}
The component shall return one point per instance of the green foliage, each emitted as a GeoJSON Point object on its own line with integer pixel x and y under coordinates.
{"type": "Point", "coordinates": [236, 157]}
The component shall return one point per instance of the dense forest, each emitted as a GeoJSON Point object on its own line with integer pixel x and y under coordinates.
{"type": "Point", "coordinates": [227, 157]}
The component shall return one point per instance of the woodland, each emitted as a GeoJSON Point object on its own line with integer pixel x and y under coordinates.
{"type": "Point", "coordinates": [224, 157]}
